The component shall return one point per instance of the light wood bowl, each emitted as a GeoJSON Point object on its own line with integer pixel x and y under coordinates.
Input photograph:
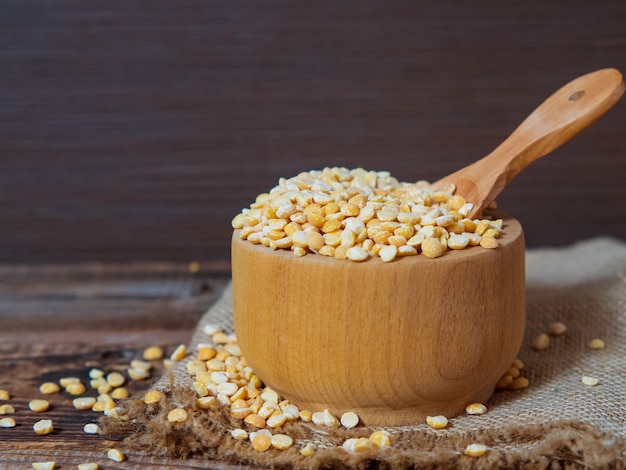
{"type": "Point", "coordinates": [393, 342]}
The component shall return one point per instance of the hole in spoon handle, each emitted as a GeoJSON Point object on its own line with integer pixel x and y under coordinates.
{"type": "Point", "coordinates": [576, 96]}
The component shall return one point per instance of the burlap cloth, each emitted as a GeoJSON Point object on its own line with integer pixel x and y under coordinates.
{"type": "Point", "coordinates": [557, 422]}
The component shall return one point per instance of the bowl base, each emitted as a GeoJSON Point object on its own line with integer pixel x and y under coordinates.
{"type": "Point", "coordinates": [386, 416]}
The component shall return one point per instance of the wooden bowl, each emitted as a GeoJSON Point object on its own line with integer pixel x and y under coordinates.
{"type": "Point", "coordinates": [393, 342]}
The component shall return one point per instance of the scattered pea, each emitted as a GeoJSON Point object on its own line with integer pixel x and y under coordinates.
{"type": "Point", "coordinates": [75, 388]}
{"type": "Point", "coordinates": [255, 420]}
{"type": "Point", "coordinates": [239, 434]}
{"type": "Point", "coordinates": [7, 422]}
{"type": "Point", "coordinates": [437, 422]}
{"type": "Point", "coordinates": [44, 465]}
{"type": "Point", "coordinates": [98, 406]}
{"type": "Point", "coordinates": [91, 428]}
{"type": "Point", "coordinates": [116, 455]}
{"type": "Point", "coordinates": [96, 373]}
{"type": "Point", "coordinates": [48, 388]}
{"type": "Point", "coordinates": [120, 393]}
{"type": "Point", "coordinates": [153, 396]}
{"type": "Point", "coordinates": [194, 267]}
{"type": "Point", "coordinates": [138, 373]}
{"type": "Point", "coordinates": [39, 406]}
{"type": "Point", "coordinates": [115, 379]}
{"type": "Point", "coordinates": [307, 451]}
{"type": "Point", "coordinates": [140, 365]}
{"type": "Point", "coordinates": [153, 353]}
{"type": "Point", "coordinates": [84, 403]}
{"type": "Point", "coordinates": [505, 382]}
{"type": "Point", "coordinates": [6, 409]}
{"type": "Point", "coordinates": [476, 450]}
{"type": "Point", "coordinates": [349, 419]}
{"type": "Point", "coordinates": [475, 409]}
{"type": "Point", "coordinates": [88, 466]}
{"type": "Point", "coordinates": [281, 441]}
{"type": "Point", "coordinates": [329, 419]}
{"type": "Point", "coordinates": [65, 381]}
{"type": "Point", "coordinates": [179, 353]}
{"type": "Point", "coordinates": [557, 328]}
{"type": "Point", "coordinates": [541, 342]}
{"type": "Point", "coordinates": [355, 445]}
{"type": "Point", "coordinates": [380, 439]}
{"type": "Point", "coordinates": [276, 420]}
{"type": "Point", "coordinates": [205, 402]}
{"type": "Point", "coordinates": [43, 427]}
{"type": "Point", "coordinates": [206, 352]}
{"type": "Point", "coordinates": [520, 382]}
{"type": "Point", "coordinates": [260, 442]}
{"type": "Point", "coordinates": [590, 381]}
{"type": "Point", "coordinates": [177, 415]}
{"type": "Point", "coordinates": [597, 343]}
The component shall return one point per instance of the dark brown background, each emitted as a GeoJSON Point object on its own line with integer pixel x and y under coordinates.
{"type": "Point", "coordinates": [136, 130]}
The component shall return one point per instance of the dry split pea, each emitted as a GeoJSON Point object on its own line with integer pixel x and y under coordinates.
{"type": "Point", "coordinates": [39, 406]}
{"type": "Point", "coordinates": [437, 422]}
{"type": "Point", "coordinates": [116, 455]}
{"type": "Point", "coordinates": [476, 450]}
{"type": "Point", "coordinates": [91, 428]}
{"type": "Point", "coordinates": [177, 415]}
{"type": "Point", "coordinates": [512, 379]}
{"type": "Point", "coordinates": [43, 427]}
{"type": "Point", "coordinates": [590, 381]}
{"type": "Point", "coordinates": [153, 353]}
{"type": "Point", "coordinates": [476, 408]}
{"type": "Point", "coordinates": [541, 342]}
{"type": "Point", "coordinates": [87, 466]}
{"type": "Point", "coordinates": [44, 465]}
{"type": "Point", "coordinates": [48, 388]}
{"type": "Point", "coordinates": [358, 214]}
{"type": "Point", "coordinates": [557, 328]}
{"type": "Point", "coordinates": [597, 343]}
{"type": "Point", "coordinates": [6, 409]}
{"type": "Point", "coordinates": [7, 423]}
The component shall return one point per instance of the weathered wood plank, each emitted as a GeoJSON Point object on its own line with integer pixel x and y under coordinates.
{"type": "Point", "coordinates": [62, 321]}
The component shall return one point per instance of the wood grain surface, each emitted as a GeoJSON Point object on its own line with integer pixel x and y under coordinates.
{"type": "Point", "coordinates": [57, 322]}
{"type": "Point", "coordinates": [136, 130]}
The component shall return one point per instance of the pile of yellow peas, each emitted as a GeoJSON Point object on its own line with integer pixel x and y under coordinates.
{"type": "Point", "coordinates": [357, 214]}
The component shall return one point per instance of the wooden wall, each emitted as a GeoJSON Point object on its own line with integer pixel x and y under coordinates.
{"type": "Point", "coordinates": [136, 130]}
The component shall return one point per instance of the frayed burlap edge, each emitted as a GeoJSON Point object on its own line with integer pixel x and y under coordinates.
{"type": "Point", "coordinates": [552, 445]}
{"type": "Point", "coordinates": [514, 441]}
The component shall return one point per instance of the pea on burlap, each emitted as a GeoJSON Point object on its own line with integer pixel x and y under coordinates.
{"type": "Point", "coordinates": [557, 422]}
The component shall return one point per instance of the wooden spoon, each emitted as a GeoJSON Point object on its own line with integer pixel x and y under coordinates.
{"type": "Point", "coordinates": [559, 118]}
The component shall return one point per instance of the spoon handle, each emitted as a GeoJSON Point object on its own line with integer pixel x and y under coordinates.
{"type": "Point", "coordinates": [566, 113]}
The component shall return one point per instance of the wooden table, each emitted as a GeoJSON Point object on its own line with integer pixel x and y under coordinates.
{"type": "Point", "coordinates": [59, 321]}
